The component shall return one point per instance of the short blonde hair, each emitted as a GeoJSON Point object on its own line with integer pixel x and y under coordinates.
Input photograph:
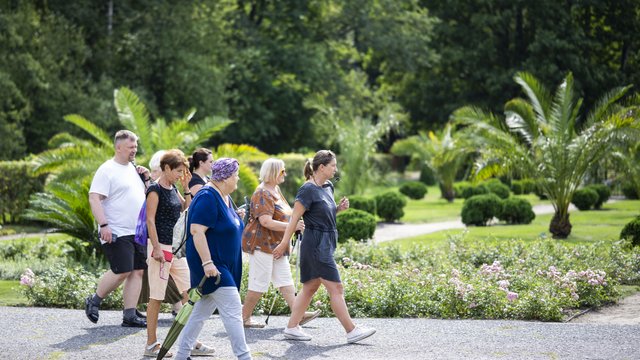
{"type": "Point", "coordinates": [270, 169]}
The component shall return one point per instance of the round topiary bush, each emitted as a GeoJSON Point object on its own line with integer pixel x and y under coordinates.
{"type": "Point", "coordinates": [479, 209]}
{"type": "Point", "coordinates": [475, 190]}
{"type": "Point", "coordinates": [528, 186]}
{"type": "Point", "coordinates": [517, 187]}
{"type": "Point", "coordinates": [498, 188]}
{"type": "Point", "coordinates": [603, 194]}
{"type": "Point", "coordinates": [584, 198]}
{"type": "Point", "coordinates": [414, 190]}
{"type": "Point", "coordinates": [389, 205]}
{"type": "Point", "coordinates": [459, 188]}
{"type": "Point", "coordinates": [629, 191]}
{"type": "Point", "coordinates": [363, 203]}
{"type": "Point", "coordinates": [516, 211]}
{"type": "Point", "coordinates": [632, 231]}
{"type": "Point", "coordinates": [355, 224]}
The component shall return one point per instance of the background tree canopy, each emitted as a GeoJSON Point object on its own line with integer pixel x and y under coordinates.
{"type": "Point", "coordinates": [257, 61]}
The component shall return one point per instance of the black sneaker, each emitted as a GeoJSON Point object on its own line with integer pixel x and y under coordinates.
{"type": "Point", "coordinates": [134, 322]}
{"type": "Point", "coordinates": [140, 315]}
{"type": "Point", "coordinates": [91, 310]}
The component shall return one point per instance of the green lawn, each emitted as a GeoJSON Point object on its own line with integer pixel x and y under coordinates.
{"type": "Point", "coordinates": [9, 296]}
{"type": "Point", "coordinates": [588, 226]}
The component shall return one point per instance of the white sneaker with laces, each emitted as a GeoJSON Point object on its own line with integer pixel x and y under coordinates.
{"type": "Point", "coordinates": [296, 333]}
{"type": "Point", "coordinates": [359, 333]}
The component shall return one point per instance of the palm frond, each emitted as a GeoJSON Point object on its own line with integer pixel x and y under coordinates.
{"type": "Point", "coordinates": [538, 95]}
{"type": "Point", "coordinates": [133, 115]}
{"type": "Point", "coordinates": [604, 104]}
{"type": "Point", "coordinates": [90, 128]}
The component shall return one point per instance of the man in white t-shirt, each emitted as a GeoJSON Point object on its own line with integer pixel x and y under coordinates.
{"type": "Point", "coordinates": [116, 195]}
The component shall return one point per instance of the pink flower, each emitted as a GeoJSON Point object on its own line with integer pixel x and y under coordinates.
{"type": "Point", "coordinates": [318, 304]}
{"type": "Point", "coordinates": [511, 296]}
{"type": "Point", "coordinates": [26, 280]}
{"type": "Point", "coordinates": [503, 284]}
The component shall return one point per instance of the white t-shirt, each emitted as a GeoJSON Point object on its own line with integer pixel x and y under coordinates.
{"type": "Point", "coordinates": [124, 193]}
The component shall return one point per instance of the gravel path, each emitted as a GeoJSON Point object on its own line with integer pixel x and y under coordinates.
{"type": "Point", "coordinates": [37, 333]}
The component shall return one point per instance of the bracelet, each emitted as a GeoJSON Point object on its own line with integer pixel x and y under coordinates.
{"type": "Point", "coordinates": [207, 263]}
{"type": "Point", "coordinates": [147, 179]}
{"type": "Point", "coordinates": [187, 193]}
{"type": "Point", "coordinates": [103, 225]}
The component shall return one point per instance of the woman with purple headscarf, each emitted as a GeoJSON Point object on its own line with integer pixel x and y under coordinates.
{"type": "Point", "coordinates": [214, 247]}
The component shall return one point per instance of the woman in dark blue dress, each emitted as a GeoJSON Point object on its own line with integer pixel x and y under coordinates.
{"type": "Point", "coordinates": [315, 202]}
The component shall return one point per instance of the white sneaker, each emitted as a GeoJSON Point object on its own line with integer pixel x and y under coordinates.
{"type": "Point", "coordinates": [359, 333]}
{"type": "Point", "coordinates": [296, 333]}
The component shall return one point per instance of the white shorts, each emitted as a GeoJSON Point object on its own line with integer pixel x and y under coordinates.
{"type": "Point", "coordinates": [159, 274]}
{"type": "Point", "coordinates": [263, 268]}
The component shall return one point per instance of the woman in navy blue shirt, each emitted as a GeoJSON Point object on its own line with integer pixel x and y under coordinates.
{"type": "Point", "coordinates": [214, 248]}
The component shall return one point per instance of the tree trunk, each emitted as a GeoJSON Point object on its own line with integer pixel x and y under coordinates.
{"type": "Point", "coordinates": [447, 193]}
{"type": "Point", "coordinates": [560, 227]}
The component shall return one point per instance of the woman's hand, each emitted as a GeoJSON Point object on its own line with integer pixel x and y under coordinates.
{"type": "Point", "coordinates": [300, 226]}
{"type": "Point", "coordinates": [241, 212]}
{"type": "Point", "coordinates": [279, 251]}
{"type": "Point", "coordinates": [210, 270]}
{"type": "Point", "coordinates": [344, 204]}
{"type": "Point", "coordinates": [185, 179]}
{"type": "Point", "coordinates": [157, 254]}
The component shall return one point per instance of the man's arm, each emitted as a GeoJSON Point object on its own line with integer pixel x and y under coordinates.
{"type": "Point", "coordinates": [95, 201]}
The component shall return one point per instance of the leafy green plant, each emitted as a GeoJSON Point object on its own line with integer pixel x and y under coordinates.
{"type": "Point", "coordinates": [355, 224]}
{"type": "Point", "coordinates": [17, 183]}
{"type": "Point", "coordinates": [516, 211]}
{"type": "Point", "coordinates": [632, 231]}
{"type": "Point", "coordinates": [363, 203]}
{"type": "Point", "coordinates": [584, 198]}
{"type": "Point", "coordinates": [603, 194]}
{"type": "Point", "coordinates": [498, 188]}
{"type": "Point", "coordinates": [473, 190]}
{"type": "Point", "coordinates": [480, 209]}
{"type": "Point", "coordinates": [547, 139]}
{"type": "Point", "coordinates": [414, 190]}
{"type": "Point", "coordinates": [389, 205]}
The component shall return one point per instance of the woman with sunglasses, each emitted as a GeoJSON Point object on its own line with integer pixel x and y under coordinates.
{"type": "Point", "coordinates": [269, 217]}
{"type": "Point", "coordinates": [164, 204]}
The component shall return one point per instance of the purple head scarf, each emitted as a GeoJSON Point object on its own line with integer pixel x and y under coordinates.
{"type": "Point", "coordinates": [223, 168]}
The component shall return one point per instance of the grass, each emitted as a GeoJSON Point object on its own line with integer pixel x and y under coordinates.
{"type": "Point", "coordinates": [588, 226]}
{"type": "Point", "coordinates": [10, 229]}
{"type": "Point", "coordinates": [9, 295]}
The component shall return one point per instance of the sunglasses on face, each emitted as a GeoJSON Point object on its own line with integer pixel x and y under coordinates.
{"type": "Point", "coordinates": [283, 171]}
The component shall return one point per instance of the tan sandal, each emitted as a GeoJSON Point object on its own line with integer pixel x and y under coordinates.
{"type": "Point", "coordinates": [250, 324]}
{"type": "Point", "coordinates": [309, 315]}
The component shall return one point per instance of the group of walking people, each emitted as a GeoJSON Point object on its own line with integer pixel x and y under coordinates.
{"type": "Point", "coordinates": [216, 238]}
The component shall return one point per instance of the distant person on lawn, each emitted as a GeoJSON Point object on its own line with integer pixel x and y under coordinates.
{"type": "Point", "coordinates": [116, 195]}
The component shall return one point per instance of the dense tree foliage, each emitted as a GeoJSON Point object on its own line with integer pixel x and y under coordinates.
{"type": "Point", "coordinates": [257, 61]}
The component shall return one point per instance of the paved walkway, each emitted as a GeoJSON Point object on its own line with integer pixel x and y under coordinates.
{"type": "Point", "coordinates": [36, 333]}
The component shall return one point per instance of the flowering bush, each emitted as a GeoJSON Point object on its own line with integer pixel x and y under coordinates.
{"type": "Point", "coordinates": [64, 287]}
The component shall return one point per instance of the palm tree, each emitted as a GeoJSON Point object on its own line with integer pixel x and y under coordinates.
{"type": "Point", "coordinates": [546, 139]}
{"type": "Point", "coordinates": [443, 154]}
{"type": "Point", "coordinates": [71, 161]}
{"type": "Point", "coordinates": [627, 160]}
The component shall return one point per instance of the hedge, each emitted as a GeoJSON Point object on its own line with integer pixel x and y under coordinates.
{"type": "Point", "coordinates": [355, 224]}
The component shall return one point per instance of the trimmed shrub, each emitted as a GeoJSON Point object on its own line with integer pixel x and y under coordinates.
{"type": "Point", "coordinates": [584, 198]}
{"type": "Point", "coordinates": [414, 190]}
{"type": "Point", "coordinates": [498, 188]}
{"type": "Point", "coordinates": [480, 189]}
{"type": "Point", "coordinates": [528, 186]}
{"type": "Point", "coordinates": [603, 194]}
{"type": "Point", "coordinates": [390, 205]}
{"type": "Point", "coordinates": [539, 193]}
{"type": "Point", "coordinates": [516, 211]}
{"type": "Point", "coordinates": [459, 188]}
{"type": "Point", "coordinates": [17, 183]}
{"type": "Point", "coordinates": [363, 203]}
{"type": "Point", "coordinates": [480, 209]}
{"type": "Point", "coordinates": [632, 231]}
{"type": "Point", "coordinates": [355, 224]}
{"type": "Point", "coordinates": [427, 177]}
{"type": "Point", "coordinates": [629, 191]}
{"type": "Point", "coordinates": [517, 187]}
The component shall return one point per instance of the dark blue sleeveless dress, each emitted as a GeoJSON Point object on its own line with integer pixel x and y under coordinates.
{"type": "Point", "coordinates": [320, 234]}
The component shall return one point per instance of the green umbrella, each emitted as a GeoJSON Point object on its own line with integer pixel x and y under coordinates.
{"type": "Point", "coordinates": [182, 317]}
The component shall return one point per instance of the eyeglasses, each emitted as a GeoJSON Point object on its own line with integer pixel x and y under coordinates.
{"type": "Point", "coordinates": [283, 171]}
